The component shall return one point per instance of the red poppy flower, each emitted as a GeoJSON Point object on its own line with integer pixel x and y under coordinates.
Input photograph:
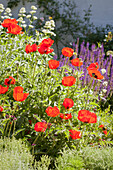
{"type": "Point", "coordinates": [68, 103]}
{"type": "Point", "coordinates": [3, 89]}
{"type": "Point", "coordinates": [47, 42]}
{"type": "Point", "coordinates": [44, 46]}
{"type": "Point", "coordinates": [104, 129]}
{"type": "Point", "coordinates": [9, 81]}
{"type": "Point", "coordinates": [95, 74]}
{"type": "Point", "coordinates": [14, 29]}
{"type": "Point", "coordinates": [53, 64]}
{"type": "Point", "coordinates": [31, 48]}
{"type": "Point", "coordinates": [44, 49]}
{"type": "Point", "coordinates": [8, 22]}
{"type": "Point", "coordinates": [40, 126]}
{"type": "Point", "coordinates": [18, 94]}
{"type": "Point", "coordinates": [77, 62]}
{"type": "Point", "coordinates": [87, 116]}
{"type": "Point", "coordinates": [101, 126]}
{"type": "Point", "coordinates": [53, 112]}
{"type": "Point", "coordinates": [30, 122]}
{"type": "Point", "coordinates": [67, 52]}
{"type": "Point", "coordinates": [75, 134]}
{"type": "Point", "coordinates": [28, 48]}
{"type": "Point", "coordinates": [1, 109]}
{"type": "Point", "coordinates": [34, 47]}
{"type": "Point", "coordinates": [68, 81]}
{"type": "Point", "coordinates": [66, 116]}
{"type": "Point", "coordinates": [93, 66]}
{"type": "Point", "coordinates": [105, 132]}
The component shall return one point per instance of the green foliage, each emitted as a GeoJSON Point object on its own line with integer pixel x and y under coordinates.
{"type": "Point", "coordinates": [90, 158]}
{"type": "Point", "coordinates": [69, 160]}
{"type": "Point", "coordinates": [44, 163]}
{"type": "Point", "coordinates": [14, 154]}
{"type": "Point", "coordinates": [98, 158]}
{"type": "Point", "coordinates": [45, 88]}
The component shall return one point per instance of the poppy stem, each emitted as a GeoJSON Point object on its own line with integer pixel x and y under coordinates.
{"type": "Point", "coordinates": [5, 98]}
{"type": "Point", "coordinates": [88, 90]}
{"type": "Point", "coordinates": [35, 67]}
{"type": "Point", "coordinates": [68, 92]}
{"type": "Point", "coordinates": [7, 125]}
{"type": "Point", "coordinates": [14, 127]}
{"type": "Point", "coordinates": [34, 144]}
{"type": "Point", "coordinates": [17, 71]}
{"type": "Point", "coordinates": [10, 128]}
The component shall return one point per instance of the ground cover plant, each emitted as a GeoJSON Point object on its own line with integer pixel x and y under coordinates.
{"type": "Point", "coordinates": [44, 101]}
{"type": "Point", "coordinates": [87, 158]}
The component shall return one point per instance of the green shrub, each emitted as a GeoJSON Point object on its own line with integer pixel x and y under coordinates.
{"type": "Point", "coordinates": [89, 158]}
{"type": "Point", "coordinates": [98, 158]}
{"type": "Point", "coordinates": [44, 163]}
{"type": "Point", "coordinates": [14, 155]}
{"type": "Point", "coordinates": [69, 161]}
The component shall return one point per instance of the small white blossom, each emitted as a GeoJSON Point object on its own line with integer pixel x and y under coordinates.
{"type": "Point", "coordinates": [32, 12]}
{"type": "Point", "coordinates": [23, 22]}
{"type": "Point", "coordinates": [34, 17]}
{"type": "Point", "coordinates": [24, 25]}
{"type": "Point", "coordinates": [47, 26]}
{"type": "Point", "coordinates": [104, 90]}
{"type": "Point", "coordinates": [10, 14]}
{"type": "Point", "coordinates": [45, 31]}
{"type": "Point", "coordinates": [22, 10]}
{"type": "Point", "coordinates": [110, 53]}
{"type": "Point", "coordinates": [33, 7]}
{"type": "Point", "coordinates": [20, 19]}
{"type": "Point", "coordinates": [105, 83]}
{"type": "Point", "coordinates": [1, 6]}
{"type": "Point", "coordinates": [8, 10]}
{"type": "Point", "coordinates": [52, 23]}
{"type": "Point", "coordinates": [1, 10]}
{"type": "Point", "coordinates": [28, 16]}
{"type": "Point", "coordinates": [2, 17]}
{"type": "Point", "coordinates": [48, 23]}
{"type": "Point", "coordinates": [24, 15]}
{"type": "Point", "coordinates": [31, 26]}
{"type": "Point", "coordinates": [6, 16]}
{"type": "Point", "coordinates": [103, 71]}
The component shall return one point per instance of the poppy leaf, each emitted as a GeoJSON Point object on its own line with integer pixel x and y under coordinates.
{"type": "Point", "coordinates": [18, 131]}
{"type": "Point", "coordinates": [37, 118]}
